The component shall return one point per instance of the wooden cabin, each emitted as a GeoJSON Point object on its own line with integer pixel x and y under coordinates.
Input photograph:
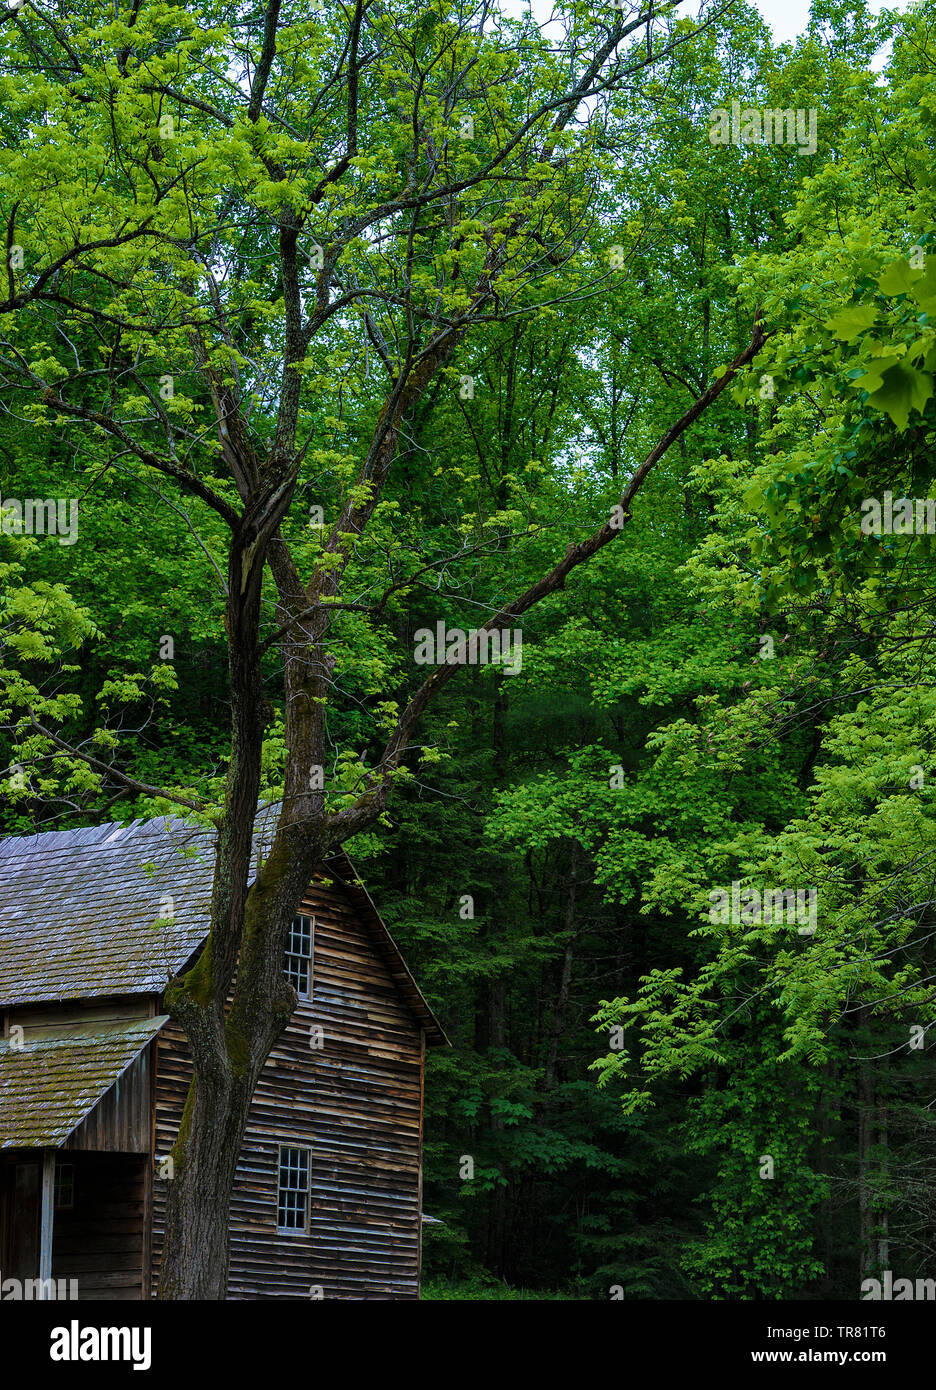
{"type": "Point", "coordinates": [93, 1074]}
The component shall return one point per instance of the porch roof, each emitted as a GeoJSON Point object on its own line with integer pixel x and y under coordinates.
{"type": "Point", "coordinates": [50, 1083]}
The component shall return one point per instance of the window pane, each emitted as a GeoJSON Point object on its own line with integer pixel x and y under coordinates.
{"type": "Point", "coordinates": [64, 1190]}
{"type": "Point", "coordinates": [293, 1196]}
{"type": "Point", "coordinates": [298, 962]}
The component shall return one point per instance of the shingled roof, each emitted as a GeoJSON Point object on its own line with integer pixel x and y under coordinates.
{"type": "Point", "coordinates": [50, 1083]}
{"type": "Point", "coordinates": [117, 910]}
{"type": "Point", "coordinates": [84, 913]}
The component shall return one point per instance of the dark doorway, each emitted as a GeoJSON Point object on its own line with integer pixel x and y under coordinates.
{"type": "Point", "coordinates": [20, 1189]}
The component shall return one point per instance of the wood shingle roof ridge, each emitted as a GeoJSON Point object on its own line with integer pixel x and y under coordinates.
{"type": "Point", "coordinates": [103, 835]}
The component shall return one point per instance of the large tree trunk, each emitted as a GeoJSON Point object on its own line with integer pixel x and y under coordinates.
{"type": "Point", "coordinates": [235, 1002]}
{"type": "Point", "coordinates": [248, 930]}
{"type": "Point", "coordinates": [197, 1246]}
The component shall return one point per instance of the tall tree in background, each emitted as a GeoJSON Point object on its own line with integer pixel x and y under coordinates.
{"type": "Point", "coordinates": [820, 757]}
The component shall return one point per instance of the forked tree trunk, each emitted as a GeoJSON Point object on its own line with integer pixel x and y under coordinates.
{"type": "Point", "coordinates": [235, 1001]}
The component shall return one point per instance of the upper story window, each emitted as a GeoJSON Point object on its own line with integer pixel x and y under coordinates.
{"type": "Point", "coordinates": [292, 1196]}
{"type": "Point", "coordinates": [298, 966]}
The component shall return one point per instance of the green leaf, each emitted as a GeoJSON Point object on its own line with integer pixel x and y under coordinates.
{"type": "Point", "coordinates": [903, 389]}
{"type": "Point", "coordinates": [898, 277]}
{"type": "Point", "coordinates": [848, 323]}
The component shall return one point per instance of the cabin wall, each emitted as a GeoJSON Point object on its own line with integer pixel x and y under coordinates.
{"type": "Point", "coordinates": [355, 1102]}
{"type": "Point", "coordinates": [80, 1014]}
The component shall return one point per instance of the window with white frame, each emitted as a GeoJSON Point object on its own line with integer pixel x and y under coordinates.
{"type": "Point", "coordinates": [298, 966]}
{"type": "Point", "coordinates": [292, 1197]}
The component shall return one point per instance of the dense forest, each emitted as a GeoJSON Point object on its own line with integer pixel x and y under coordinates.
{"type": "Point", "coordinates": [629, 316]}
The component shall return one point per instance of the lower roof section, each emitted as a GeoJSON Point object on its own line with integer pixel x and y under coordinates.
{"type": "Point", "coordinates": [54, 1079]}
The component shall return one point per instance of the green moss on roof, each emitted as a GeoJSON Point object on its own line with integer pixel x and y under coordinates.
{"type": "Point", "coordinates": [50, 1083]}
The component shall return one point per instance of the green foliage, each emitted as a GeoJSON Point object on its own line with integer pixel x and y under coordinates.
{"type": "Point", "coordinates": [738, 689]}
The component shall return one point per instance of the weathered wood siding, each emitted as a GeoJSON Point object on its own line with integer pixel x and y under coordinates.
{"type": "Point", "coordinates": [35, 1019]}
{"type": "Point", "coordinates": [120, 1122]}
{"type": "Point", "coordinates": [355, 1102]}
{"type": "Point", "coordinates": [100, 1243]}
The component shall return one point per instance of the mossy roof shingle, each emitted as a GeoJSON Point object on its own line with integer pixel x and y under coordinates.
{"type": "Point", "coordinates": [50, 1083]}
{"type": "Point", "coordinates": [79, 909]}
